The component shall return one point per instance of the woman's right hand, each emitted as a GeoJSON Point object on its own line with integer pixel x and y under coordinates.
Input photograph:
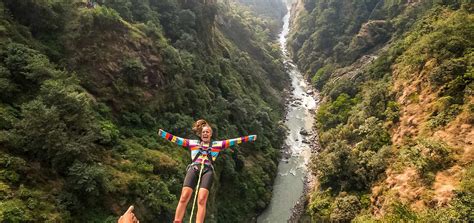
{"type": "Point", "coordinates": [128, 217]}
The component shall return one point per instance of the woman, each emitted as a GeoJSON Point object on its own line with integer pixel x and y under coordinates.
{"type": "Point", "coordinates": [203, 153]}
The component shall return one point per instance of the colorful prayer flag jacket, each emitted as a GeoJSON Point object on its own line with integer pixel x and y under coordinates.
{"type": "Point", "coordinates": [196, 147]}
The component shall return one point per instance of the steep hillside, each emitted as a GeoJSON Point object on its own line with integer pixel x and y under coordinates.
{"type": "Point", "coordinates": [268, 8]}
{"type": "Point", "coordinates": [84, 90]}
{"type": "Point", "coordinates": [396, 121]}
{"type": "Point", "coordinates": [273, 9]}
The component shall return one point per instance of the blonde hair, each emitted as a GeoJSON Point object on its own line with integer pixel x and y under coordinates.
{"type": "Point", "coordinates": [199, 125]}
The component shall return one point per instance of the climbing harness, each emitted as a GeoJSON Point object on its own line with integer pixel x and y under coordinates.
{"type": "Point", "coordinates": [197, 189]}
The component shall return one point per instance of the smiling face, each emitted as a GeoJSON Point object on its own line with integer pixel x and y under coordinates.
{"type": "Point", "coordinates": [206, 134]}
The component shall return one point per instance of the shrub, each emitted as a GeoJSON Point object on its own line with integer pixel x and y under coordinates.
{"type": "Point", "coordinates": [439, 119]}
{"type": "Point", "coordinates": [381, 66]}
{"type": "Point", "coordinates": [456, 88]}
{"type": "Point", "coordinates": [58, 127]}
{"type": "Point", "coordinates": [7, 87]}
{"type": "Point", "coordinates": [12, 169]}
{"type": "Point", "coordinates": [319, 207]}
{"type": "Point", "coordinates": [345, 208]}
{"type": "Point", "coordinates": [335, 166]}
{"type": "Point", "coordinates": [155, 196]}
{"type": "Point", "coordinates": [321, 76]}
{"type": "Point", "coordinates": [392, 113]}
{"type": "Point", "coordinates": [336, 134]}
{"type": "Point", "coordinates": [133, 70]}
{"type": "Point", "coordinates": [343, 85]}
{"type": "Point", "coordinates": [122, 7]}
{"type": "Point", "coordinates": [105, 17]}
{"type": "Point", "coordinates": [331, 114]}
{"type": "Point", "coordinates": [427, 156]}
{"type": "Point", "coordinates": [447, 71]}
{"type": "Point", "coordinates": [7, 117]}
{"type": "Point", "coordinates": [108, 134]}
{"type": "Point", "coordinates": [400, 212]}
{"type": "Point", "coordinates": [99, 18]}
{"type": "Point", "coordinates": [345, 169]}
{"type": "Point", "coordinates": [39, 16]}
{"type": "Point", "coordinates": [375, 98]}
{"type": "Point", "coordinates": [15, 211]}
{"type": "Point", "coordinates": [88, 180]}
{"type": "Point", "coordinates": [463, 203]}
{"type": "Point", "coordinates": [26, 67]}
{"type": "Point", "coordinates": [187, 18]}
{"type": "Point", "coordinates": [373, 135]}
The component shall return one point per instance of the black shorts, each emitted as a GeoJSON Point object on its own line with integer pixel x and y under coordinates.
{"type": "Point", "coordinates": [192, 176]}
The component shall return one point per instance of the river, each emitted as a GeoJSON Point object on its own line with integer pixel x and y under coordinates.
{"type": "Point", "coordinates": [289, 183]}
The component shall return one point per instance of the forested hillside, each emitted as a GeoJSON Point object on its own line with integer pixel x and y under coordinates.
{"type": "Point", "coordinates": [273, 9]}
{"type": "Point", "coordinates": [267, 8]}
{"type": "Point", "coordinates": [83, 91]}
{"type": "Point", "coordinates": [396, 120]}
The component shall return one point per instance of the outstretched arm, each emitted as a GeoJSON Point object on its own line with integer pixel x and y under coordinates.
{"type": "Point", "coordinates": [178, 140]}
{"type": "Point", "coordinates": [232, 142]}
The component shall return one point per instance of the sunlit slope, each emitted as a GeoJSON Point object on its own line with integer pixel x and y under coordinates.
{"type": "Point", "coordinates": [396, 120]}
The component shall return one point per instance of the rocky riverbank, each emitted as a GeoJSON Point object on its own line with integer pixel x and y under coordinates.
{"type": "Point", "coordinates": [312, 139]}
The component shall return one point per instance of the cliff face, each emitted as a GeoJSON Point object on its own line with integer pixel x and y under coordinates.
{"type": "Point", "coordinates": [396, 122]}
{"type": "Point", "coordinates": [84, 90]}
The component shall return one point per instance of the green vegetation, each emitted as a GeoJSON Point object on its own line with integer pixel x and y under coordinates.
{"type": "Point", "coordinates": [460, 209]}
{"type": "Point", "coordinates": [427, 157]}
{"type": "Point", "coordinates": [331, 31]}
{"type": "Point", "coordinates": [273, 9]}
{"type": "Point", "coordinates": [84, 90]}
{"type": "Point", "coordinates": [360, 112]}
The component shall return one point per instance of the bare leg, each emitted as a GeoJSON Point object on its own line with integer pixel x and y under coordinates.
{"type": "Point", "coordinates": [183, 202]}
{"type": "Point", "coordinates": [202, 200]}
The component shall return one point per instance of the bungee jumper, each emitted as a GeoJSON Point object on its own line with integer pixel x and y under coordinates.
{"type": "Point", "coordinates": [199, 175]}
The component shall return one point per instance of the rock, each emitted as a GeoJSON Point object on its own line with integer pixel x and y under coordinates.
{"type": "Point", "coordinates": [304, 132]}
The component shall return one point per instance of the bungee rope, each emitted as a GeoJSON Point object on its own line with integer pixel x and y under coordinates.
{"type": "Point", "coordinates": [196, 190]}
